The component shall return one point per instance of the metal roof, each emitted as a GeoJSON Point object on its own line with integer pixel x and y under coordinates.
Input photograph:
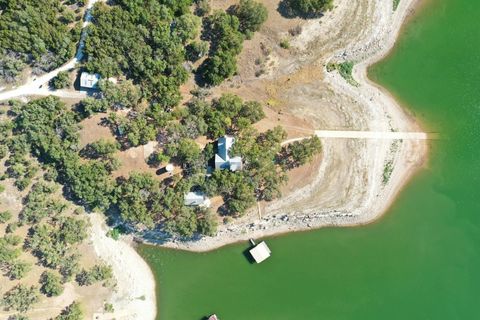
{"type": "Point", "coordinates": [260, 252]}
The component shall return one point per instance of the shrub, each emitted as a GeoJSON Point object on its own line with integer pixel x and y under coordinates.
{"type": "Point", "coordinates": [60, 81]}
{"type": "Point", "coordinates": [108, 307]}
{"type": "Point", "coordinates": [116, 232]}
{"type": "Point", "coordinates": [51, 284]}
{"type": "Point", "coordinates": [251, 15]}
{"type": "Point", "coordinates": [20, 298]}
{"type": "Point", "coordinates": [307, 8]}
{"type": "Point", "coordinates": [5, 216]}
{"type": "Point", "coordinates": [18, 269]}
{"type": "Point", "coordinates": [96, 274]}
{"type": "Point", "coordinates": [72, 312]}
{"type": "Point", "coordinates": [18, 317]}
{"type": "Point", "coordinates": [299, 152]}
{"type": "Point", "coordinates": [196, 50]}
{"type": "Point", "coordinates": [285, 44]}
{"type": "Point", "coordinates": [202, 7]}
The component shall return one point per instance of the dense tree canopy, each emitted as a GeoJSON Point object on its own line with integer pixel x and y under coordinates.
{"type": "Point", "coordinates": [222, 29]}
{"type": "Point", "coordinates": [143, 40]}
{"type": "Point", "coordinates": [47, 129]}
{"type": "Point", "coordinates": [35, 33]}
{"type": "Point", "coordinates": [308, 7]}
{"type": "Point", "coordinates": [51, 131]}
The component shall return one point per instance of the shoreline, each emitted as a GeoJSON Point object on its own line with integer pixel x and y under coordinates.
{"type": "Point", "coordinates": [134, 294]}
{"type": "Point", "coordinates": [379, 198]}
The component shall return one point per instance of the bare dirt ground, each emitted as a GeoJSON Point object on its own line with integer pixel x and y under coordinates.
{"type": "Point", "coordinates": [91, 298]}
{"type": "Point", "coordinates": [131, 160]}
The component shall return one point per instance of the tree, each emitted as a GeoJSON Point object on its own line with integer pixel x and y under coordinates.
{"type": "Point", "coordinates": [147, 40]}
{"type": "Point", "coordinates": [253, 111]}
{"type": "Point", "coordinates": [20, 298]}
{"type": "Point", "coordinates": [251, 15]}
{"type": "Point", "coordinates": [69, 266]}
{"type": "Point", "coordinates": [40, 203]}
{"type": "Point", "coordinates": [100, 149]}
{"type": "Point", "coordinates": [299, 152]}
{"type": "Point", "coordinates": [9, 253]}
{"type": "Point", "coordinates": [135, 131]}
{"type": "Point", "coordinates": [51, 284]}
{"type": "Point", "coordinates": [136, 199]}
{"type": "Point", "coordinates": [186, 151]}
{"type": "Point", "coordinates": [90, 106]}
{"type": "Point", "coordinates": [5, 216]}
{"type": "Point", "coordinates": [11, 66]}
{"type": "Point", "coordinates": [119, 96]}
{"type": "Point", "coordinates": [222, 29]}
{"type": "Point", "coordinates": [196, 50]}
{"type": "Point", "coordinates": [18, 269]}
{"type": "Point", "coordinates": [236, 190]}
{"type": "Point", "coordinates": [34, 34]}
{"type": "Point", "coordinates": [71, 230]}
{"type": "Point", "coordinates": [202, 7]}
{"type": "Point", "coordinates": [60, 81]}
{"type": "Point", "coordinates": [184, 224]}
{"type": "Point", "coordinates": [91, 184]}
{"type": "Point", "coordinates": [72, 312]}
{"type": "Point", "coordinates": [307, 7]}
{"type": "Point", "coordinates": [50, 243]}
{"type": "Point", "coordinates": [187, 27]}
{"type": "Point", "coordinates": [96, 274]}
{"type": "Point", "coordinates": [207, 223]}
{"type": "Point", "coordinates": [218, 67]}
{"type": "Point", "coordinates": [18, 317]}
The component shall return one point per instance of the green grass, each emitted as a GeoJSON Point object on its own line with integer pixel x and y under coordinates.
{"type": "Point", "coordinates": [387, 172]}
{"type": "Point", "coordinates": [345, 69]}
{"type": "Point", "coordinates": [285, 44]}
{"type": "Point", "coordinates": [395, 4]}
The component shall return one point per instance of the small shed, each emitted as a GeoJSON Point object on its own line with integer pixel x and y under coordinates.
{"type": "Point", "coordinates": [260, 252]}
{"type": "Point", "coordinates": [89, 80]}
{"type": "Point", "coordinates": [213, 317]}
{"type": "Point", "coordinates": [195, 199]}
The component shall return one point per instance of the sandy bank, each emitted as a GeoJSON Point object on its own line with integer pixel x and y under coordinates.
{"type": "Point", "coordinates": [349, 188]}
{"type": "Point", "coordinates": [133, 297]}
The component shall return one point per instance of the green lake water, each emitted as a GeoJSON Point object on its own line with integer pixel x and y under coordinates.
{"type": "Point", "coordinates": [421, 261]}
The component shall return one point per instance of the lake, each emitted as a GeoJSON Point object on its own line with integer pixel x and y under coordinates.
{"type": "Point", "coordinates": [420, 261]}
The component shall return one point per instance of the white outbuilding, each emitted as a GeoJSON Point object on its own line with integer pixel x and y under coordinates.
{"type": "Point", "coordinates": [169, 168]}
{"type": "Point", "coordinates": [260, 252]}
{"type": "Point", "coordinates": [89, 80]}
{"type": "Point", "coordinates": [197, 199]}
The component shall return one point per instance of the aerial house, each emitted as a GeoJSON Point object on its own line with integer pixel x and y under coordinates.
{"type": "Point", "coordinates": [89, 80]}
{"type": "Point", "coordinates": [223, 159]}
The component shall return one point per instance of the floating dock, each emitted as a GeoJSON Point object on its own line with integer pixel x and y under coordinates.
{"type": "Point", "coordinates": [260, 252]}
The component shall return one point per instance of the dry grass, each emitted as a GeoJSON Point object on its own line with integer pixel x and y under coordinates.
{"type": "Point", "coordinates": [90, 297]}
